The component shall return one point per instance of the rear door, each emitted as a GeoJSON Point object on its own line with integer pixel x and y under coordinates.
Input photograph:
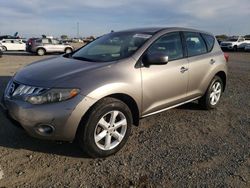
{"type": "Point", "coordinates": [165, 85]}
{"type": "Point", "coordinates": [57, 47]}
{"type": "Point", "coordinates": [201, 61]}
{"type": "Point", "coordinates": [19, 45]}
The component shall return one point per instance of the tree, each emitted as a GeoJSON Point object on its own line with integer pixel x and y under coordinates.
{"type": "Point", "coordinates": [221, 37]}
{"type": "Point", "coordinates": [64, 37]}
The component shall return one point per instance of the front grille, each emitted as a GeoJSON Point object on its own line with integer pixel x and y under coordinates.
{"type": "Point", "coordinates": [15, 89]}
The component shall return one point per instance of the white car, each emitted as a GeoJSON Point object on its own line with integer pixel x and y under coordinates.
{"type": "Point", "coordinates": [235, 43]}
{"type": "Point", "coordinates": [13, 45]}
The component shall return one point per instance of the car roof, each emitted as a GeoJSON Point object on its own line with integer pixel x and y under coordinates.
{"type": "Point", "coordinates": [154, 30]}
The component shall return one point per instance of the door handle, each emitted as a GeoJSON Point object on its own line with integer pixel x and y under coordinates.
{"type": "Point", "coordinates": [183, 69]}
{"type": "Point", "coordinates": [212, 61]}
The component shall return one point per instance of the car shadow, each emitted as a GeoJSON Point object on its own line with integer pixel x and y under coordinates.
{"type": "Point", "coordinates": [18, 53]}
{"type": "Point", "coordinates": [16, 138]}
{"type": "Point", "coordinates": [190, 106]}
{"type": "Point", "coordinates": [23, 53]}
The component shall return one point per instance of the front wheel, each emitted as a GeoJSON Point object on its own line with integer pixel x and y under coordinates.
{"type": "Point", "coordinates": [213, 94]}
{"type": "Point", "coordinates": [106, 128]}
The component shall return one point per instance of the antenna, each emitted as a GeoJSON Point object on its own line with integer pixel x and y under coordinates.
{"type": "Point", "coordinates": [77, 27]}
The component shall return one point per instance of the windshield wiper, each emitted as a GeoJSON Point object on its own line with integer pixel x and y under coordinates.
{"type": "Point", "coordinates": [82, 59]}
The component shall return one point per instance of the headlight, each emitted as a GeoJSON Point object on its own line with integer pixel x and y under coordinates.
{"type": "Point", "coordinates": [53, 95]}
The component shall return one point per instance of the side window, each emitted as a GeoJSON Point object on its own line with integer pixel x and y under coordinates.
{"type": "Point", "coordinates": [46, 41]}
{"type": "Point", "coordinates": [169, 45]}
{"type": "Point", "coordinates": [55, 41]}
{"type": "Point", "coordinates": [195, 44]}
{"type": "Point", "coordinates": [209, 41]}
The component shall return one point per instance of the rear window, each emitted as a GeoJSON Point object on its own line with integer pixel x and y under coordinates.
{"type": "Point", "coordinates": [209, 41]}
{"type": "Point", "coordinates": [195, 44]}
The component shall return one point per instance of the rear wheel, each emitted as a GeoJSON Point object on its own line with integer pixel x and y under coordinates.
{"type": "Point", "coordinates": [213, 94]}
{"type": "Point", "coordinates": [68, 50]}
{"type": "Point", "coordinates": [106, 128]}
{"type": "Point", "coordinates": [40, 52]}
{"type": "Point", "coordinates": [4, 48]}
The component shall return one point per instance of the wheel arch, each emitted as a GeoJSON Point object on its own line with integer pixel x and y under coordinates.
{"type": "Point", "coordinates": [6, 49]}
{"type": "Point", "coordinates": [223, 77]}
{"type": "Point", "coordinates": [41, 48]}
{"type": "Point", "coordinates": [128, 100]}
{"type": "Point", "coordinates": [67, 47]}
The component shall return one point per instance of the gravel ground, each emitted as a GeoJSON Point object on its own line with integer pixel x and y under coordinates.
{"type": "Point", "coordinates": [182, 147]}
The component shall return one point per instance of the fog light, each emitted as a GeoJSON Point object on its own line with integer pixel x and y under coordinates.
{"type": "Point", "coordinates": [45, 129]}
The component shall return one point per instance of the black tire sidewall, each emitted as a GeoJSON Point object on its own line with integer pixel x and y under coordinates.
{"type": "Point", "coordinates": [86, 135]}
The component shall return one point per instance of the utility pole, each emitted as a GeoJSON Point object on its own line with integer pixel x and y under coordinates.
{"type": "Point", "coordinates": [77, 26]}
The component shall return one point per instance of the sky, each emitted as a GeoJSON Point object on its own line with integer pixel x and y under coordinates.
{"type": "Point", "coordinates": [97, 17]}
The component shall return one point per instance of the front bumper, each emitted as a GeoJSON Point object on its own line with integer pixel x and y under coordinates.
{"type": "Point", "coordinates": [64, 117]}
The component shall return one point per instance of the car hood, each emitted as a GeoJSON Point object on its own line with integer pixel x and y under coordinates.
{"type": "Point", "coordinates": [50, 72]}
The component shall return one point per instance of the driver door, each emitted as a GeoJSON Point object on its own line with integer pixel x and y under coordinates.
{"type": "Point", "coordinates": [165, 85]}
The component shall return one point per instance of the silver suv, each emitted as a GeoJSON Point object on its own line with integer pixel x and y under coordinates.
{"type": "Point", "coordinates": [97, 93]}
{"type": "Point", "coordinates": [41, 46]}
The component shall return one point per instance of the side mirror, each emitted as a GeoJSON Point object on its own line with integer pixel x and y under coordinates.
{"type": "Point", "coordinates": [155, 59]}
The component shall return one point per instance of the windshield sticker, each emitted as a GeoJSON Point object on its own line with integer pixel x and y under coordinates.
{"type": "Point", "coordinates": [144, 36]}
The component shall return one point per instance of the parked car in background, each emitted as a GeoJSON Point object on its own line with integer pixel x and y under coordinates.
{"type": "Point", "coordinates": [13, 45]}
{"type": "Point", "coordinates": [234, 43]}
{"type": "Point", "coordinates": [247, 48]}
{"type": "Point", "coordinates": [96, 94]}
{"type": "Point", "coordinates": [1, 50]}
{"type": "Point", "coordinates": [41, 46]}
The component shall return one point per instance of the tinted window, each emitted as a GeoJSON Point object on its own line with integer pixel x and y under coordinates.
{"type": "Point", "coordinates": [195, 44]}
{"type": "Point", "coordinates": [169, 45]}
{"type": "Point", "coordinates": [209, 41]}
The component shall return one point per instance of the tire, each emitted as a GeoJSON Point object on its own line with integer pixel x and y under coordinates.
{"type": "Point", "coordinates": [211, 98]}
{"type": "Point", "coordinates": [97, 136]}
{"type": "Point", "coordinates": [4, 49]}
{"type": "Point", "coordinates": [235, 48]}
{"type": "Point", "coordinates": [40, 51]}
{"type": "Point", "coordinates": [68, 50]}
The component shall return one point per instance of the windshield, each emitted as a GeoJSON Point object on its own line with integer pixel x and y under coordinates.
{"type": "Point", "coordinates": [112, 47]}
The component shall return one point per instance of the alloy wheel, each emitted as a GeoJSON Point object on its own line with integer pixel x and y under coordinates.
{"type": "Point", "coordinates": [110, 130]}
{"type": "Point", "coordinates": [215, 93]}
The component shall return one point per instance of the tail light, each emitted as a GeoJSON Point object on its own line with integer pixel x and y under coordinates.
{"type": "Point", "coordinates": [226, 57]}
{"type": "Point", "coordinates": [29, 42]}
